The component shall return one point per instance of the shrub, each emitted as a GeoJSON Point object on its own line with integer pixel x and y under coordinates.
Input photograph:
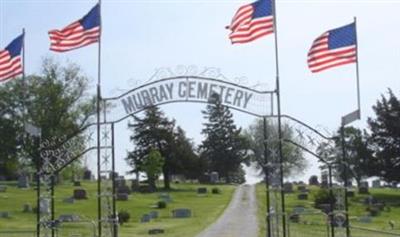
{"type": "Point", "coordinates": [216, 191]}
{"type": "Point", "coordinates": [123, 217]}
{"type": "Point", "coordinates": [323, 197]}
{"type": "Point", "coordinates": [161, 204]}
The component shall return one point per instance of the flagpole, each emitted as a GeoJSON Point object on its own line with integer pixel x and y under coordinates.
{"type": "Point", "coordinates": [278, 95]}
{"type": "Point", "coordinates": [99, 211]}
{"type": "Point", "coordinates": [357, 72]}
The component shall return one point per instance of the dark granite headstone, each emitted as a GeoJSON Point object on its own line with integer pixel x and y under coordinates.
{"type": "Point", "coordinates": [202, 190]}
{"type": "Point", "coordinates": [124, 189]}
{"type": "Point", "coordinates": [288, 187]}
{"type": "Point", "coordinates": [80, 194]}
{"type": "Point", "coordinates": [77, 183]}
{"type": "Point", "coordinates": [165, 197]}
{"type": "Point", "coordinates": [350, 194]}
{"type": "Point", "coordinates": [3, 189]}
{"type": "Point", "coordinates": [145, 218]}
{"type": "Point", "coordinates": [153, 214]}
{"type": "Point", "coordinates": [23, 181]}
{"type": "Point", "coordinates": [181, 213]}
{"type": "Point", "coordinates": [302, 196]}
{"type": "Point", "coordinates": [122, 197]}
{"type": "Point", "coordinates": [27, 208]}
{"type": "Point", "coordinates": [376, 184]}
{"type": "Point", "coordinates": [363, 190]}
{"type": "Point", "coordinates": [87, 175]}
{"type": "Point", "coordinates": [68, 218]}
{"type": "Point", "coordinates": [214, 177]}
{"type": "Point", "coordinates": [120, 182]}
{"type": "Point", "coordinates": [325, 208]}
{"type": "Point", "coordinates": [5, 214]}
{"type": "Point", "coordinates": [156, 231]}
{"type": "Point", "coordinates": [69, 200]}
{"type": "Point", "coordinates": [2, 178]}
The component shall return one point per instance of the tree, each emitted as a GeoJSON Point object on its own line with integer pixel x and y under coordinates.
{"type": "Point", "coordinates": [224, 148]}
{"type": "Point", "coordinates": [152, 166]}
{"type": "Point", "coordinates": [56, 101]}
{"type": "Point", "coordinates": [293, 159]}
{"type": "Point", "coordinates": [385, 138]}
{"type": "Point", "coordinates": [358, 154]}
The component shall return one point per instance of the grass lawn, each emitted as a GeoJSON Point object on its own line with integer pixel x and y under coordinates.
{"type": "Point", "coordinates": [205, 209]}
{"type": "Point", "coordinates": [316, 223]}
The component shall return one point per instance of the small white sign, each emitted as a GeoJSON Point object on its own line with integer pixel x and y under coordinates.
{"type": "Point", "coordinates": [351, 117]}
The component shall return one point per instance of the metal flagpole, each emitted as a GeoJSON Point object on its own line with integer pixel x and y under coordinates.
{"type": "Point", "coordinates": [357, 72]}
{"type": "Point", "coordinates": [98, 131]}
{"type": "Point", "coordinates": [266, 172]}
{"type": "Point", "coordinates": [278, 95]}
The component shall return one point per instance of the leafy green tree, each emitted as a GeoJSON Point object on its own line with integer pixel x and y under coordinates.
{"type": "Point", "coordinates": [385, 138]}
{"type": "Point", "coordinates": [358, 155]}
{"type": "Point", "coordinates": [224, 148]}
{"type": "Point", "coordinates": [56, 101]}
{"type": "Point", "coordinates": [293, 159]}
{"type": "Point", "coordinates": [152, 166]}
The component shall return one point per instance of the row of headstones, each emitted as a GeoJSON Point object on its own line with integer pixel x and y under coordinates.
{"type": "Point", "coordinates": [176, 213]}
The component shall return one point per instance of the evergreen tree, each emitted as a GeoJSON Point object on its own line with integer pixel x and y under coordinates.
{"type": "Point", "coordinates": [385, 138]}
{"type": "Point", "coordinates": [224, 148]}
{"type": "Point", "coordinates": [153, 131]}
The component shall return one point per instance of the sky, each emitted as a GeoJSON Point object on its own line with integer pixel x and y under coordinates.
{"type": "Point", "coordinates": [144, 35]}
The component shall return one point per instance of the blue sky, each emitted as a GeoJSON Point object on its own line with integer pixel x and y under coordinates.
{"type": "Point", "coordinates": [140, 36]}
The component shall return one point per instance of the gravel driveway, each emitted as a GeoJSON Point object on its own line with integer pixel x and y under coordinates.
{"type": "Point", "coordinates": [239, 218]}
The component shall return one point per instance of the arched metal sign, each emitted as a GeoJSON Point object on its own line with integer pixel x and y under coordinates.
{"type": "Point", "coordinates": [189, 89]}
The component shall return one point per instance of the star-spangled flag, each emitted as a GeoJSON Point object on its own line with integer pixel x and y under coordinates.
{"type": "Point", "coordinates": [333, 48]}
{"type": "Point", "coordinates": [252, 21]}
{"type": "Point", "coordinates": [11, 59]}
{"type": "Point", "coordinates": [78, 34]}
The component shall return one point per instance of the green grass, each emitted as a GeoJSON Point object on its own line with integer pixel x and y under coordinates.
{"type": "Point", "coordinates": [205, 209]}
{"type": "Point", "coordinates": [316, 224]}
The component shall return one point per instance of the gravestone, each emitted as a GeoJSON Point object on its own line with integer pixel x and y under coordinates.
{"type": "Point", "coordinates": [153, 214]}
{"type": "Point", "coordinates": [69, 200]}
{"type": "Point", "coordinates": [3, 189]}
{"type": "Point", "coordinates": [124, 189]}
{"type": "Point", "coordinates": [295, 218]}
{"type": "Point", "coordinates": [181, 213]}
{"type": "Point", "coordinates": [370, 200]}
{"type": "Point", "coordinates": [202, 190]}
{"type": "Point", "coordinates": [288, 187]}
{"type": "Point", "coordinates": [68, 218]}
{"type": "Point", "coordinates": [165, 197]}
{"type": "Point", "coordinates": [313, 180]}
{"type": "Point", "coordinates": [80, 194]}
{"type": "Point", "coordinates": [156, 231]}
{"type": "Point", "coordinates": [302, 196]}
{"type": "Point", "coordinates": [120, 182]}
{"type": "Point", "coordinates": [325, 208]}
{"type": "Point", "coordinates": [134, 185]}
{"type": "Point", "coordinates": [27, 208]}
{"type": "Point", "coordinates": [214, 177]}
{"type": "Point", "coordinates": [363, 190]}
{"type": "Point", "coordinates": [350, 194]}
{"type": "Point", "coordinates": [44, 206]}
{"type": "Point", "coordinates": [145, 218]}
{"type": "Point", "coordinates": [2, 178]}
{"type": "Point", "coordinates": [77, 183]}
{"type": "Point", "coordinates": [23, 181]}
{"type": "Point", "coordinates": [298, 209]}
{"type": "Point", "coordinates": [5, 214]}
{"type": "Point", "coordinates": [122, 197]}
{"type": "Point", "coordinates": [376, 184]}
{"type": "Point", "coordinates": [365, 219]}
{"type": "Point", "coordinates": [87, 175]}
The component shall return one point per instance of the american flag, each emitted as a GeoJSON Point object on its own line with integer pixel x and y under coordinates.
{"type": "Point", "coordinates": [10, 59]}
{"type": "Point", "coordinates": [78, 34]}
{"type": "Point", "coordinates": [252, 21]}
{"type": "Point", "coordinates": [333, 48]}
